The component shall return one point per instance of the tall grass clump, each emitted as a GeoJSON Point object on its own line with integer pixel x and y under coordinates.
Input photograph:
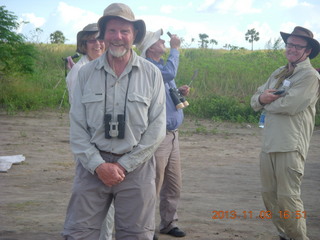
{"type": "Point", "coordinates": [228, 73]}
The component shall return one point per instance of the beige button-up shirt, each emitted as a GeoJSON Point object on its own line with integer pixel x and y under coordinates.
{"type": "Point", "coordinates": [289, 120]}
{"type": "Point", "coordinates": [98, 92]}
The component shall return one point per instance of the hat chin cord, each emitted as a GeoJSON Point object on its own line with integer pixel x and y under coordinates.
{"type": "Point", "coordinates": [295, 62]}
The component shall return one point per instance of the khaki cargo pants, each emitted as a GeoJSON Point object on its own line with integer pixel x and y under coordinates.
{"type": "Point", "coordinates": [281, 175]}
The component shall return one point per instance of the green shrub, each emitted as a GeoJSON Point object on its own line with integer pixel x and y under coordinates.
{"type": "Point", "coordinates": [17, 58]}
{"type": "Point", "coordinates": [222, 108]}
{"type": "Point", "coordinates": [44, 87]}
{"type": "Point", "coordinates": [15, 54]}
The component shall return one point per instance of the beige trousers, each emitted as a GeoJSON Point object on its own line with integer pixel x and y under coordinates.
{"type": "Point", "coordinates": [168, 180]}
{"type": "Point", "coordinates": [281, 175]}
{"type": "Point", "coordinates": [134, 202]}
{"type": "Point", "coordinates": [107, 225]}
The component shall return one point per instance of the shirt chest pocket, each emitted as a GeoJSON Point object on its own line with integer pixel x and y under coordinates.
{"type": "Point", "coordinates": [94, 105]}
{"type": "Point", "coordinates": [137, 109]}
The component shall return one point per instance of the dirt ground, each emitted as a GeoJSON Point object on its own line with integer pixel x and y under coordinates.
{"type": "Point", "coordinates": [220, 173]}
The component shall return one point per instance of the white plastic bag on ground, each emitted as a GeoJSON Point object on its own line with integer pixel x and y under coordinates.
{"type": "Point", "coordinates": [7, 161]}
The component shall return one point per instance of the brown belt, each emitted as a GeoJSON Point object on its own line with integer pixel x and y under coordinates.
{"type": "Point", "coordinates": [113, 154]}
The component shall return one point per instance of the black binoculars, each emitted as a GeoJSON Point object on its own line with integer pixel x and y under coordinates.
{"type": "Point", "coordinates": [178, 99]}
{"type": "Point", "coordinates": [114, 129]}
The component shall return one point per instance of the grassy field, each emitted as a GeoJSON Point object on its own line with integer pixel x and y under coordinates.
{"type": "Point", "coordinates": [221, 90]}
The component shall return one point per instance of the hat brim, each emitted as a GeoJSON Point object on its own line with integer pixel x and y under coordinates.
{"type": "Point", "coordinates": [138, 24]}
{"type": "Point", "coordinates": [156, 36]}
{"type": "Point", "coordinates": [314, 43]}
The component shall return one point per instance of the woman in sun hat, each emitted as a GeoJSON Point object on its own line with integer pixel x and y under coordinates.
{"type": "Point", "coordinates": [90, 47]}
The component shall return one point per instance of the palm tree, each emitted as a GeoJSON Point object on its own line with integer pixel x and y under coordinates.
{"type": "Point", "coordinates": [252, 35]}
{"type": "Point", "coordinates": [203, 40]}
{"type": "Point", "coordinates": [213, 42]}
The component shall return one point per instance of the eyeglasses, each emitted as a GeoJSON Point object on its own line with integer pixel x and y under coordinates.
{"type": "Point", "coordinates": [297, 47]}
{"type": "Point", "coordinates": [92, 41]}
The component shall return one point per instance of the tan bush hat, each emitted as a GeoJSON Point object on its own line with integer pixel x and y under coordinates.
{"type": "Point", "coordinates": [90, 28]}
{"type": "Point", "coordinates": [305, 34]}
{"type": "Point", "coordinates": [150, 39]}
{"type": "Point", "coordinates": [122, 11]}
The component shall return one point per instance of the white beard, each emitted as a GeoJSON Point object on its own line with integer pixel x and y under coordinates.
{"type": "Point", "coordinates": [118, 53]}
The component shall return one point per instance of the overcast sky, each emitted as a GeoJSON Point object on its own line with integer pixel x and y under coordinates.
{"type": "Point", "coordinates": [225, 21]}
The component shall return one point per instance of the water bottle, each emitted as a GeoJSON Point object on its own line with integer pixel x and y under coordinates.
{"type": "Point", "coordinates": [261, 120]}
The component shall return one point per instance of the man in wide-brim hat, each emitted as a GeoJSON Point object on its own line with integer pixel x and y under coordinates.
{"type": "Point", "coordinates": [306, 34]}
{"type": "Point", "coordinates": [117, 121]}
{"type": "Point", "coordinates": [288, 127]}
{"type": "Point", "coordinates": [121, 11]}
